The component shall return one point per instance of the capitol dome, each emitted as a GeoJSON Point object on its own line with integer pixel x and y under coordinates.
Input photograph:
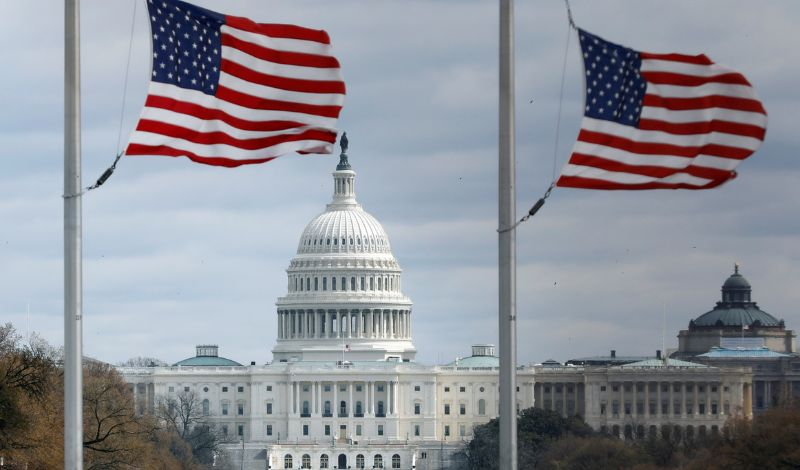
{"type": "Point", "coordinates": [344, 298]}
{"type": "Point", "coordinates": [736, 309]}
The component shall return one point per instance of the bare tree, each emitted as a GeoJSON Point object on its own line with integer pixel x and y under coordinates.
{"type": "Point", "coordinates": [143, 361]}
{"type": "Point", "coordinates": [183, 413]}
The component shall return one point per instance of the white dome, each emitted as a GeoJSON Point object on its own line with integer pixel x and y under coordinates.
{"type": "Point", "coordinates": [347, 230]}
{"type": "Point", "coordinates": [344, 287]}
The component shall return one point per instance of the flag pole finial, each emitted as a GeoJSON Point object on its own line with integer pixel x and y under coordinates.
{"type": "Point", "coordinates": [736, 267]}
{"type": "Point", "coordinates": [343, 163]}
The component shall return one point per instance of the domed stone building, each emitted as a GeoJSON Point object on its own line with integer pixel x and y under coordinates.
{"type": "Point", "coordinates": [736, 321]}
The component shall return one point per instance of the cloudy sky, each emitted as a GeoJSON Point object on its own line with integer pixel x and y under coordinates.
{"type": "Point", "coordinates": [177, 254]}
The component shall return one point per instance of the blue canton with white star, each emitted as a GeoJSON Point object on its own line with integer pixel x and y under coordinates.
{"type": "Point", "coordinates": [614, 86]}
{"type": "Point", "coordinates": [187, 45]}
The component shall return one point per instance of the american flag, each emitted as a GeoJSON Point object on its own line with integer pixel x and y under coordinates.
{"type": "Point", "coordinates": [660, 121]}
{"type": "Point", "coordinates": [228, 91]}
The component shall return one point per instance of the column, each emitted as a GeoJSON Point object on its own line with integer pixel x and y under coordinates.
{"type": "Point", "coordinates": [622, 399]}
{"type": "Point", "coordinates": [563, 400]}
{"type": "Point", "coordinates": [280, 324]}
{"type": "Point", "coordinates": [370, 324]}
{"type": "Point", "coordinates": [539, 402]}
{"type": "Point", "coordinates": [708, 399]}
{"type": "Point", "coordinates": [349, 324]}
{"type": "Point", "coordinates": [635, 400]}
{"type": "Point", "coordinates": [647, 399]}
{"type": "Point", "coordinates": [671, 398]}
{"type": "Point", "coordinates": [294, 397]}
{"type": "Point", "coordinates": [721, 399]}
{"type": "Point", "coordinates": [371, 397]}
{"type": "Point", "coordinates": [697, 398]}
{"type": "Point", "coordinates": [658, 397]}
{"type": "Point", "coordinates": [350, 408]}
{"type": "Point", "coordinates": [335, 407]}
{"type": "Point", "coordinates": [683, 399]}
{"type": "Point", "coordinates": [313, 409]}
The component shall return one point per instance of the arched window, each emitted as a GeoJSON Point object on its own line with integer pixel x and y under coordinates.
{"type": "Point", "coordinates": [352, 283]}
{"type": "Point", "coordinates": [308, 283]}
{"type": "Point", "coordinates": [329, 241]}
{"type": "Point", "coordinates": [287, 461]}
{"type": "Point", "coordinates": [333, 283]}
{"type": "Point", "coordinates": [378, 461]}
{"type": "Point", "coordinates": [396, 461]}
{"type": "Point", "coordinates": [380, 408]}
{"type": "Point", "coordinates": [481, 407]}
{"type": "Point", "coordinates": [380, 283]}
{"type": "Point", "coordinates": [359, 461]}
{"type": "Point", "coordinates": [316, 283]}
{"type": "Point", "coordinates": [344, 283]}
{"type": "Point", "coordinates": [371, 283]}
{"type": "Point", "coordinates": [295, 283]}
{"type": "Point", "coordinates": [205, 407]}
{"type": "Point", "coordinates": [324, 283]}
{"type": "Point", "coordinates": [359, 410]}
{"type": "Point", "coordinates": [306, 461]}
{"type": "Point", "coordinates": [335, 241]}
{"type": "Point", "coordinates": [301, 285]}
{"type": "Point", "coordinates": [305, 407]}
{"type": "Point", "coordinates": [323, 461]}
{"type": "Point", "coordinates": [327, 407]}
{"type": "Point", "coordinates": [362, 282]}
{"type": "Point", "coordinates": [342, 408]}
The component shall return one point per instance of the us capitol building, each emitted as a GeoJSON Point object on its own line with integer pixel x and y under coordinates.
{"type": "Point", "coordinates": [344, 390]}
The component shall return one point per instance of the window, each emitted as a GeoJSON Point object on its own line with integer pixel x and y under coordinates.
{"type": "Point", "coordinates": [323, 461]}
{"type": "Point", "coordinates": [602, 408]}
{"type": "Point", "coordinates": [417, 407]}
{"type": "Point", "coordinates": [343, 387]}
{"type": "Point", "coordinates": [462, 408]}
{"type": "Point", "coordinates": [185, 389]}
{"type": "Point", "coordinates": [224, 389]}
{"type": "Point", "coordinates": [171, 389]}
{"type": "Point", "coordinates": [416, 429]}
{"type": "Point", "coordinates": [380, 430]}
{"type": "Point", "coordinates": [306, 461]}
{"type": "Point", "coordinates": [324, 283]}
{"type": "Point", "coordinates": [359, 409]}
{"type": "Point", "coordinates": [205, 389]}
{"type": "Point", "coordinates": [362, 283]}
{"type": "Point", "coordinates": [269, 430]}
{"type": "Point", "coordinates": [395, 461]}
{"type": "Point", "coordinates": [333, 283]}
{"type": "Point", "coordinates": [269, 388]}
{"type": "Point", "coordinates": [287, 461]}
{"type": "Point", "coordinates": [269, 408]}
{"type": "Point", "coordinates": [462, 389]}
{"type": "Point", "coordinates": [416, 388]}
{"type": "Point", "coordinates": [205, 407]}
{"type": "Point", "coordinates": [446, 431]}
{"type": "Point", "coordinates": [327, 388]}
{"type": "Point", "coordinates": [305, 407]}
{"type": "Point", "coordinates": [327, 408]}
{"type": "Point", "coordinates": [240, 409]}
{"type": "Point", "coordinates": [358, 429]}
{"type": "Point", "coordinates": [305, 430]}
{"type": "Point", "coordinates": [359, 461]}
{"type": "Point", "coordinates": [352, 283]}
{"type": "Point", "coordinates": [224, 408]}
{"type": "Point", "coordinates": [240, 430]}
{"type": "Point", "coordinates": [305, 387]}
{"type": "Point", "coordinates": [447, 389]}
{"type": "Point", "coordinates": [482, 389]}
{"type": "Point", "coordinates": [316, 283]}
{"type": "Point", "coordinates": [602, 388]}
{"type": "Point", "coordinates": [481, 407]}
{"type": "Point", "coordinates": [378, 461]}
{"type": "Point", "coordinates": [344, 283]}
{"type": "Point", "coordinates": [327, 429]}
{"type": "Point", "coordinates": [380, 388]}
{"type": "Point", "coordinates": [240, 389]}
{"type": "Point", "coordinates": [447, 408]}
{"type": "Point", "coordinates": [462, 430]}
{"type": "Point", "coordinates": [359, 388]}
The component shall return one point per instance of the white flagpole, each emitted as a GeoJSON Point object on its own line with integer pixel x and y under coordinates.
{"type": "Point", "coordinates": [507, 255]}
{"type": "Point", "coordinates": [73, 294]}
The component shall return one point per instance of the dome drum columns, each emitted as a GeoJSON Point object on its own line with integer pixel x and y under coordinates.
{"type": "Point", "coordinates": [371, 324]}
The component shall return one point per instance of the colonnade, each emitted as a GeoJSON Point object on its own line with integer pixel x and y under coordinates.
{"type": "Point", "coordinates": [344, 324]}
{"type": "Point", "coordinates": [374, 401]}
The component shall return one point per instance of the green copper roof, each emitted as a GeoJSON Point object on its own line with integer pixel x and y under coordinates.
{"type": "Point", "coordinates": [717, 352]}
{"type": "Point", "coordinates": [660, 363]}
{"type": "Point", "coordinates": [736, 308]}
{"type": "Point", "coordinates": [207, 361]}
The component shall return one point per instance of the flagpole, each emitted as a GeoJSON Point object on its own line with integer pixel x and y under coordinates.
{"type": "Point", "coordinates": [73, 378]}
{"type": "Point", "coordinates": [507, 312]}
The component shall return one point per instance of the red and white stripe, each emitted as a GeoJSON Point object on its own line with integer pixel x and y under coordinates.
{"type": "Point", "coordinates": [280, 91]}
{"type": "Point", "coordinates": [699, 120]}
